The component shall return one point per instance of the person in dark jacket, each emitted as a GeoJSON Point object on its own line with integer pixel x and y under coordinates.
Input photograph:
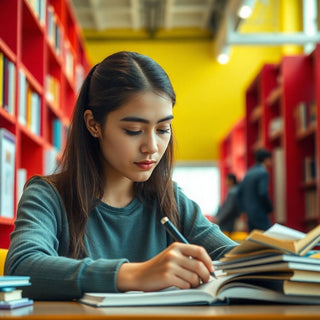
{"type": "Point", "coordinates": [229, 210]}
{"type": "Point", "coordinates": [253, 195]}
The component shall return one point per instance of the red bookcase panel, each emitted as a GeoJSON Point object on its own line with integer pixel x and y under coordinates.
{"type": "Point", "coordinates": [44, 44]}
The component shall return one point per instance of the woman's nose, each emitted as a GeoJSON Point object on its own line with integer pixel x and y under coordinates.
{"type": "Point", "coordinates": [150, 144]}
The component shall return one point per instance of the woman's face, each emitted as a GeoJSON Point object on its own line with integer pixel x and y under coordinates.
{"type": "Point", "coordinates": [136, 136]}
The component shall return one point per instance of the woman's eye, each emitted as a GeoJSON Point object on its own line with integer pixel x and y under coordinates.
{"type": "Point", "coordinates": [163, 131]}
{"type": "Point", "coordinates": [132, 132]}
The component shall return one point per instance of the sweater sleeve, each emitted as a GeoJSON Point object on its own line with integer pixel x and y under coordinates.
{"type": "Point", "coordinates": [199, 230]}
{"type": "Point", "coordinates": [39, 246]}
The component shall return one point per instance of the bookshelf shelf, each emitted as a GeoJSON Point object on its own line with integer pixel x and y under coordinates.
{"type": "Point", "coordinates": [309, 185]}
{"type": "Point", "coordinates": [6, 116]}
{"type": "Point", "coordinates": [41, 47]}
{"type": "Point", "coordinates": [7, 51]}
{"type": "Point", "coordinates": [7, 221]}
{"type": "Point", "coordinates": [256, 114]}
{"type": "Point", "coordinates": [274, 96]}
{"type": "Point", "coordinates": [310, 131]}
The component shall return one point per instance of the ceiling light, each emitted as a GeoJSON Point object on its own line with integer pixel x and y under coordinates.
{"type": "Point", "coordinates": [224, 56]}
{"type": "Point", "coordinates": [246, 9]}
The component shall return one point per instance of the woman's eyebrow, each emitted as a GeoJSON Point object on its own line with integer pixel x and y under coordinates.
{"type": "Point", "coordinates": [138, 119]}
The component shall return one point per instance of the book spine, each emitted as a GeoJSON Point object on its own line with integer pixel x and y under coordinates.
{"type": "Point", "coordinates": [22, 117]}
{"type": "Point", "coordinates": [7, 173]}
{"type": "Point", "coordinates": [57, 134]}
{"type": "Point", "coordinates": [21, 180]}
{"type": "Point", "coordinates": [11, 87]}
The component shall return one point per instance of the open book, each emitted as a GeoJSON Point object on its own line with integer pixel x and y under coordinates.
{"type": "Point", "coordinates": [277, 288]}
{"type": "Point", "coordinates": [277, 239]}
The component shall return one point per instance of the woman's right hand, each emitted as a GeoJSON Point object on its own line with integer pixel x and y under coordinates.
{"type": "Point", "coordinates": [180, 265]}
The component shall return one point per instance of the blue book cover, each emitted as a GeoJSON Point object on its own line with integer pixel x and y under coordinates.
{"type": "Point", "coordinates": [15, 303]}
{"type": "Point", "coordinates": [8, 282]}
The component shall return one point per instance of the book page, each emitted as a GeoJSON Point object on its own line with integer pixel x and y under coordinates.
{"type": "Point", "coordinates": [285, 233]}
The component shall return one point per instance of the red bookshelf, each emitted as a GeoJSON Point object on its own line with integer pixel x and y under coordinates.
{"type": "Point", "coordinates": [42, 40]}
{"type": "Point", "coordinates": [281, 107]}
{"type": "Point", "coordinates": [232, 155]}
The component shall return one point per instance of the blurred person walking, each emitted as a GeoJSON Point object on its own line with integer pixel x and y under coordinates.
{"type": "Point", "coordinates": [253, 195]}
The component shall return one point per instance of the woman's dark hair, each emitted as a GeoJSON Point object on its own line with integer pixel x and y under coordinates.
{"type": "Point", "coordinates": [108, 86]}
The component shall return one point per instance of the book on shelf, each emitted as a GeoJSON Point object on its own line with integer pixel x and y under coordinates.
{"type": "Point", "coordinates": [275, 126]}
{"type": "Point", "coordinates": [79, 76]}
{"type": "Point", "coordinates": [279, 178]}
{"type": "Point", "coordinates": [11, 87]}
{"type": "Point", "coordinates": [21, 181]}
{"type": "Point", "coordinates": [309, 169]}
{"type": "Point", "coordinates": [69, 61]}
{"type": "Point", "coordinates": [35, 113]}
{"type": "Point", "coordinates": [54, 30]}
{"type": "Point", "coordinates": [10, 296]}
{"type": "Point", "coordinates": [29, 105]}
{"type": "Point", "coordinates": [306, 115]}
{"type": "Point", "coordinates": [52, 89]}
{"type": "Point", "coordinates": [50, 160]}
{"type": "Point", "coordinates": [311, 204]}
{"type": "Point", "coordinates": [7, 69]}
{"type": "Point", "coordinates": [39, 9]}
{"type": "Point", "coordinates": [7, 172]}
{"type": "Point", "coordinates": [313, 113]}
{"type": "Point", "coordinates": [22, 98]}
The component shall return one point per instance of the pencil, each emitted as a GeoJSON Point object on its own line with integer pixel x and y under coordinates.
{"type": "Point", "coordinates": [175, 234]}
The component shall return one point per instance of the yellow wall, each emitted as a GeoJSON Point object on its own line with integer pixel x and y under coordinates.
{"type": "Point", "coordinates": [210, 97]}
{"type": "Point", "coordinates": [291, 22]}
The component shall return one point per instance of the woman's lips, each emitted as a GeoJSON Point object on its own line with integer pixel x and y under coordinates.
{"type": "Point", "coordinates": [145, 165]}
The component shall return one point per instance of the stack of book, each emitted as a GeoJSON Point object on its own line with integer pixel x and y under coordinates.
{"type": "Point", "coordinates": [11, 294]}
{"type": "Point", "coordinates": [279, 262]}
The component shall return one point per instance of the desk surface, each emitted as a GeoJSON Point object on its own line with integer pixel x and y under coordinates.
{"type": "Point", "coordinates": [76, 311]}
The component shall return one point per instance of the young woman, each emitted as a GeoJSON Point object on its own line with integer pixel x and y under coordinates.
{"type": "Point", "coordinates": [95, 225]}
